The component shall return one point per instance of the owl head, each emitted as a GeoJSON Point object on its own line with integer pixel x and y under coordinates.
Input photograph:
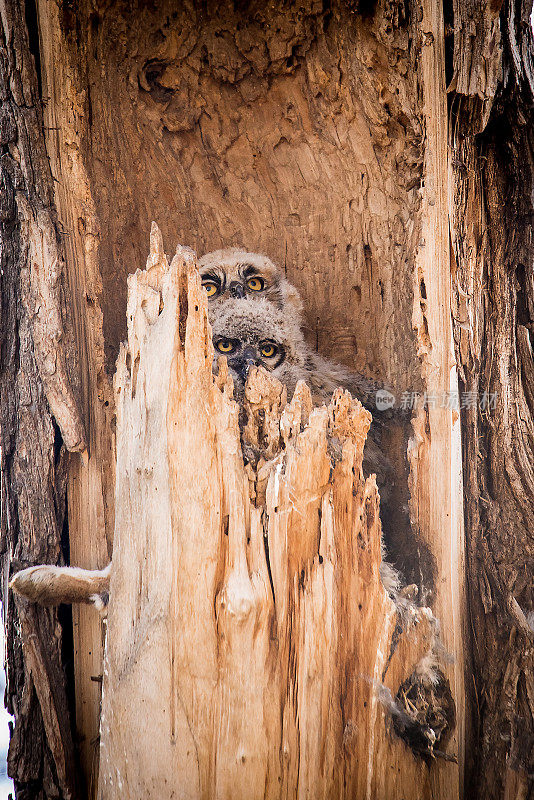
{"type": "Point", "coordinates": [256, 333]}
{"type": "Point", "coordinates": [235, 273]}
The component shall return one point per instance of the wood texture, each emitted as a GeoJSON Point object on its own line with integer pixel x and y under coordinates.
{"type": "Point", "coordinates": [45, 294]}
{"type": "Point", "coordinates": [491, 224]}
{"type": "Point", "coordinates": [299, 131]}
{"type": "Point", "coordinates": [435, 451]}
{"type": "Point", "coordinates": [91, 481]}
{"type": "Point", "coordinates": [283, 128]}
{"type": "Point", "coordinates": [39, 417]}
{"type": "Point", "coordinates": [281, 686]}
{"type": "Point", "coordinates": [292, 130]}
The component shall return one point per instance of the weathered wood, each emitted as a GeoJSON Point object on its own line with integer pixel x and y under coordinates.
{"type": "Point", "coordinates": [317, 113]}
{"type": "Point", "coordinates": [477, 55]}
{"type": "Point", "coordinates": [298, 131]}
{"type": "Point", "coordinates": [491, 216]}
{"type": "Point", "coordinates": [435, 450]}
{"type": "Point", "coordinates": [278, 687]}
{"type": "Point", "coordinates": [91, 482]}
{"type": "Point", "coordinates": [36, 396]}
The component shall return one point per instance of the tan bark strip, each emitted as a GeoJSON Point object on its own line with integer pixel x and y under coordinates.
{"type": "Point", "coordinates": [47, 311]}
{"type": "Point", "coordinates": [91, 485]}
{"type": "Point", "coordinates": [435, 453]}
{"type": "Point", "coordinates": [48, 301]}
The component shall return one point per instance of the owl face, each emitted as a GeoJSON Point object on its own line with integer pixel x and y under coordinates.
{"type": "Point", "coordinates": [235, 274]}
{"type": "Point", "coordinates": [242, 354]}
{"type": "Point", "coordinates": [254, 333]}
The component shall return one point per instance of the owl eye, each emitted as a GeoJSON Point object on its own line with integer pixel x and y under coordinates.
{"type": "Point", "coordinates": [211, 288]}
{"type": "Point", "coordinates": [268, 349]}
{"type": "Point", "coordinates": [225, 346]}
{"type": "Point", "coordinates": [256, 284]}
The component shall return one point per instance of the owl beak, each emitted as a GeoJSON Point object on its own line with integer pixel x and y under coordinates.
{"type": "Point", "coordinates": [236, 289]}
{"type": "Point", "coordinates": [247, 360]}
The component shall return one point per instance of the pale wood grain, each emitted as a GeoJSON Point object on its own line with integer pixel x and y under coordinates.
{"type": "Point", "coordinates": [228, 675]}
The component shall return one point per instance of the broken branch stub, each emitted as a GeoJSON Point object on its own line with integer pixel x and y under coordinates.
{"type": "Point", "coordinates": [247, 638]}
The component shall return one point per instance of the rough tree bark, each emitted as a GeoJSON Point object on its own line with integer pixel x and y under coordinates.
{"type": "Point", "coordinates": [316, 133]}
{"type": "Point", "coordinates": [39, 417]}
{"type": "Point", "coordinates": [492, 214]}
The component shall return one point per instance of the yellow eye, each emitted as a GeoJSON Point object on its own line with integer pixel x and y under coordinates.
{"type": "Point", "coordinates": [256, 284]}
{"type": "Point", "coordinates": [268, 350]}
{"type": "Point", "coordinates": [225, 346]}
{"type": "Point", "coordinates": [211, 288]}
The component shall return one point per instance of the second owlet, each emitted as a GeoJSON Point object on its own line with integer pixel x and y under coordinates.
{"type": "Point", "coordinates": [256, 333]}
{"type": "Point", "coordinates": [235, 273]}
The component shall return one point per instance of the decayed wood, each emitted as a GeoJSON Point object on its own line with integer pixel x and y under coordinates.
{"type": "Point", "coordinates": [491, 225]}
{"type": "Point", "coordinates": [435, 450]}
{"type": "Point", "coordinates": [300, 136]}
{"type": "Point", "coordinates": [315, 112]}
{"type": "Point", "coordinates": [252, 650]}
{"type": "Point", "coordinates": [91, 482]}
{"type": "Point", "coordinates": [36, 395]}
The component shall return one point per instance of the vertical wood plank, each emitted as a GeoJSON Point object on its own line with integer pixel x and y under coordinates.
{"type": "Point", "coordinates": [436, 455]}
{"type": "Point", "coordinates": [91, 481]}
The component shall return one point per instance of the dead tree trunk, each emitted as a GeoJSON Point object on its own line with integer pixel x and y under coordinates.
{"type": "Point", "coordinates": [39, 420]}
{"type": "Point", "coordinates": [492, 214]}
{"type": "Point", "coordinates": [317, 134]}
{"type": "Point", "coordinates": [297, 661]}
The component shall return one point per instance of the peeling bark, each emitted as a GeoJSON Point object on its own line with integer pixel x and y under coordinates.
{"type": "Point", "coordinates": [493, 301]}
{"type": "Point", "coordinates": [35, 398]}
{"type": "Point", "coordinates": [45, 300]}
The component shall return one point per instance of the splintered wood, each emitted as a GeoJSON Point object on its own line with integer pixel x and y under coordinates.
{"type": "Point", "coordinates": [252, 651]}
